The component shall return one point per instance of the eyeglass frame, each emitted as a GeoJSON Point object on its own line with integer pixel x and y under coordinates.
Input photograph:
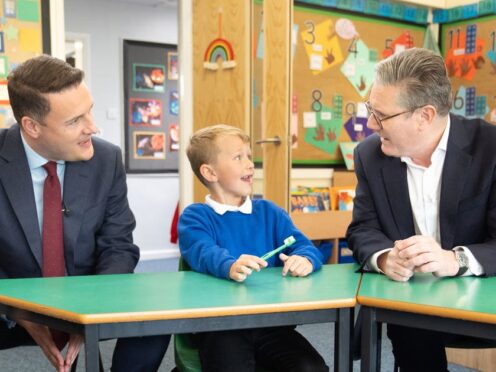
{"type": "Point", "coordinates": [378, 120]}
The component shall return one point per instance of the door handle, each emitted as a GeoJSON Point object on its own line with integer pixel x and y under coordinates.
{"type": "Point", "coordinates": [275, 140]}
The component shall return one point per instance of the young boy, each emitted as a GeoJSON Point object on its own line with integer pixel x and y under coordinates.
{"type": "Point", "coordinates": [226, 237]}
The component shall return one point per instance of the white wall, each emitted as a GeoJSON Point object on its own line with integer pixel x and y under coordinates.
{"type": "Point", "coordinates": [153, 198]}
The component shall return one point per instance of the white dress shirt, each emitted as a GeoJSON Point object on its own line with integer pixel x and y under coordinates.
{"type": "Point", "coordinates": [424, 189]}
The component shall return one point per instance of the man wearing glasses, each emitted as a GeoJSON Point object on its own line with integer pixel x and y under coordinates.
{"type": "Point", "coordinates": [426, 193]}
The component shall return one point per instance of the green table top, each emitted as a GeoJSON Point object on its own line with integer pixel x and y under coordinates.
{"type": "Point", "coordinates": [467, 298]}
{"type": "Point", "coordinates": [174, 295]}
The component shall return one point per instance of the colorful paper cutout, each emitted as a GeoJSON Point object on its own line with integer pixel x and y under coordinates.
{"type": "Point", "coordinates": [359, 69]}
{"type": "Point", "coordinates": [28, 10]}
{"type": "Point", "coordinates": [322, 46]}
{"type": "Point", "coordinates": [357, 128]}
{"type": "Point", "coordinates": [402, 42]}
{"type": "Point", "coordinates": [324, 136]}
{"type": "Point", "coordinates": [12, 33]}
{"type": "Point", "coordinates": [464, 54]}
{"type": "Point", "coordinates": [467, 103]}
{"type": "Point", "coordinates": [29, 40]}
{"type": "Point", "coordinates": [347, 149]}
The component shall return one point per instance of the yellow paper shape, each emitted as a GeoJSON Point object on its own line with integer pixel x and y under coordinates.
{"type": "Point", "coordinates": [30, 40]}
{"type": "Point", "coordinates": [322, 40]}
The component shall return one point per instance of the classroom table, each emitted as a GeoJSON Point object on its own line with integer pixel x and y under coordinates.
{"type": "Point", "coordinates": [462, 305]}
{"type": "Point", "coordinates": [127, 305]}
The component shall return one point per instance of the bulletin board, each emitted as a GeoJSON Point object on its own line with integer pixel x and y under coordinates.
{"type": "Point", "coordinates": [334, 54]}
{"type": "Point", "coordinates": [469, 49]}
{"type": "Point", "coordinates": [151, 107]}
{"type": "Point", "coordinates": [24, 33]}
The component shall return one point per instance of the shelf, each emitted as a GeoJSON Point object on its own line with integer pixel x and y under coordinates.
{"type": "Point", "coordinates": [328, 225]}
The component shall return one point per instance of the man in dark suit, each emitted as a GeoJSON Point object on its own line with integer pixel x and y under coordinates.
{"type": "Point", "coordinates": [52, 106]}
{"type": "Point", "coordinates": [426, 194]}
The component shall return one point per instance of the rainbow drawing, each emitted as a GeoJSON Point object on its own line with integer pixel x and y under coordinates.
{"type": "Point", "coordinates": [219, 48]}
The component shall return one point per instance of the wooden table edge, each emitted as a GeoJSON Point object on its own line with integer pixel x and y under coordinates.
{"type": "Point", "coordinates": [175, 314]}
{"type": "Point", "coordinates": [443, 312]}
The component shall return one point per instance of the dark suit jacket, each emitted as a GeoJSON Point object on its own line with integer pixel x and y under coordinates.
{"type": "Point", "coordinates": [97, 230]}
{"type": "Point", "coordinates": [382, 211]}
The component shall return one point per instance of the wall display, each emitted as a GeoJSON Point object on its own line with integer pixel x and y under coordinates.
{"type": "Point", "coordinates": [152, 105]}
{"type": "Point", "coordinates": [334, 55]}
{"type": "Point", "coordinates": [24, 33]}
{"type": "Point", "coordinates": [469, 49]}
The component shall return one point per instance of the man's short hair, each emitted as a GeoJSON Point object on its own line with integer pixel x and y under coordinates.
{"type": "Point", "coordinates": [35, 77]}
{"type": "Point", "coordinates": [202, 148]}
{"type": "Point", "coordinates": [422, 76]}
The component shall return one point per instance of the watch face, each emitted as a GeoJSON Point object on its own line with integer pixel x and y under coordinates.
{"type": "Point", "coordinates": [462, 259]}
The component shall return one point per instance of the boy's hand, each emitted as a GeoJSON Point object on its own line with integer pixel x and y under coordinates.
{"type": "Point", "coordinates": [296, 265]}
{"type": "Point", "coordinates": [244, 266]}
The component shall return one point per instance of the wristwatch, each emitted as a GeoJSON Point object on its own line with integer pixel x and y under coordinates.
{"type": "Point", "coordinates": [462, 260]}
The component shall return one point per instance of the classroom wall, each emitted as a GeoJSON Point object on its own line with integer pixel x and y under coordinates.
{"type": "Point", "coordinates": [152, 197]}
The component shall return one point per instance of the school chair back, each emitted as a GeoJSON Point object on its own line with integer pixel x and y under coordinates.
{"type": "Point", "coordinates": [186, 355]}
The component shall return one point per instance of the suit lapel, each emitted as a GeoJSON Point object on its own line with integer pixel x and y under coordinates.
{"type": "Point", "coordinates": [76, 188]}
{"type": "Point", "coordinates": [396, 186]}
{"type": "Point", "coordinates": [455, 171]}
{"type": "Point", "coordinates": [15, 177]}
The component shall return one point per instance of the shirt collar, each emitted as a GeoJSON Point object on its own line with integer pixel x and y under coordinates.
{"type": "Point", "coordinates": [35, 160]}
{"type": "Point", "coordinates": [220, 208]}
{"type": "Point", "coordinates": [441, 146]}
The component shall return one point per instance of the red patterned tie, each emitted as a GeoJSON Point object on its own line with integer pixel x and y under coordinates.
{"type": "Point", "coordinates": [53, 240]}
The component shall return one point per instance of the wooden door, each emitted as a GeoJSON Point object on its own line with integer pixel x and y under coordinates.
{"type": "Point", "coordinates": [275, 101]}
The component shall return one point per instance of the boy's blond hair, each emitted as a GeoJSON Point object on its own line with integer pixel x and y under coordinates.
{"type": "Point", "coordinates": [202, 148]}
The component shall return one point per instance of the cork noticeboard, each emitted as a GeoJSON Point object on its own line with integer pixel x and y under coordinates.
{"type": "Point", "coordinates": [24, 33]}
{"type": "Point", "coordinates": [334, 54]}
{"type": "Point", "coordinates": [469, 49]}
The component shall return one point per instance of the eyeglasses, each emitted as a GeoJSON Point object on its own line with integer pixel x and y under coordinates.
{"type": "Point", "coordinates": [379, 121]}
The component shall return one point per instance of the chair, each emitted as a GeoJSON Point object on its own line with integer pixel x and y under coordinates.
{"type": "Point", "coordinates": [186, 354]}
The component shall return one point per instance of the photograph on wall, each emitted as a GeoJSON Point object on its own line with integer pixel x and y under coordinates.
{"type": "Point", "coordinates": [173, 66]}
{"type": "Point", "coordinates": [173, 137]}
{"type": "Point", "coordinates": [149, 78]}
{"type": "Point", "coordinates": [174, 102]}
{"type": "Point", "coordinates": [145, 112]}
{"type": "Point", "coordinates": [151, 102]}
{"type": "Point", "coordinates": [149, 145]}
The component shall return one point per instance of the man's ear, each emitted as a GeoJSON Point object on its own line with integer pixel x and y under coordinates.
{"type": "Point", "coordinates": [208, 172]}
{"type": "Point", "coordinates": [30, 127]}
{"type": "Point", "coordinates": [427, 115]}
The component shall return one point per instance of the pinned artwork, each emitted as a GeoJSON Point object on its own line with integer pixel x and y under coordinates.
{"type": "Point", "coordinates": [358, 68]}
{"type": "Point", "coordinates": [464, 55]}
{"type": "Point", "coordinates": [321, 46]}
{"type": "Point", "coordinates": [219, 52]}
{"type": "Point", "coordinates": [326, 131]}
{"type": "Point", "coordinates": [467, 103]}
{"type": "Point", "coordinates": [145, 112]}
{"type": "Point", "coordinates": [401, 43]}
{"type": "Point", "coordinates": [149, 145]}
{"type": "Point", "coordinates": [347, 149]}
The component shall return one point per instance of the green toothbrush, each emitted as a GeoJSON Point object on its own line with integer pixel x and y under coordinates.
{"type": "Point", "coordinates": [287, 242]}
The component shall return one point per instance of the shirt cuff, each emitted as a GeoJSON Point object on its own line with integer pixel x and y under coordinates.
{"type": "Point", "coordinates": [474, 266]}
{"type": "Point", "coordinates": [372, 261]}
{"type": "Point", "coordinates": [10, 323]}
